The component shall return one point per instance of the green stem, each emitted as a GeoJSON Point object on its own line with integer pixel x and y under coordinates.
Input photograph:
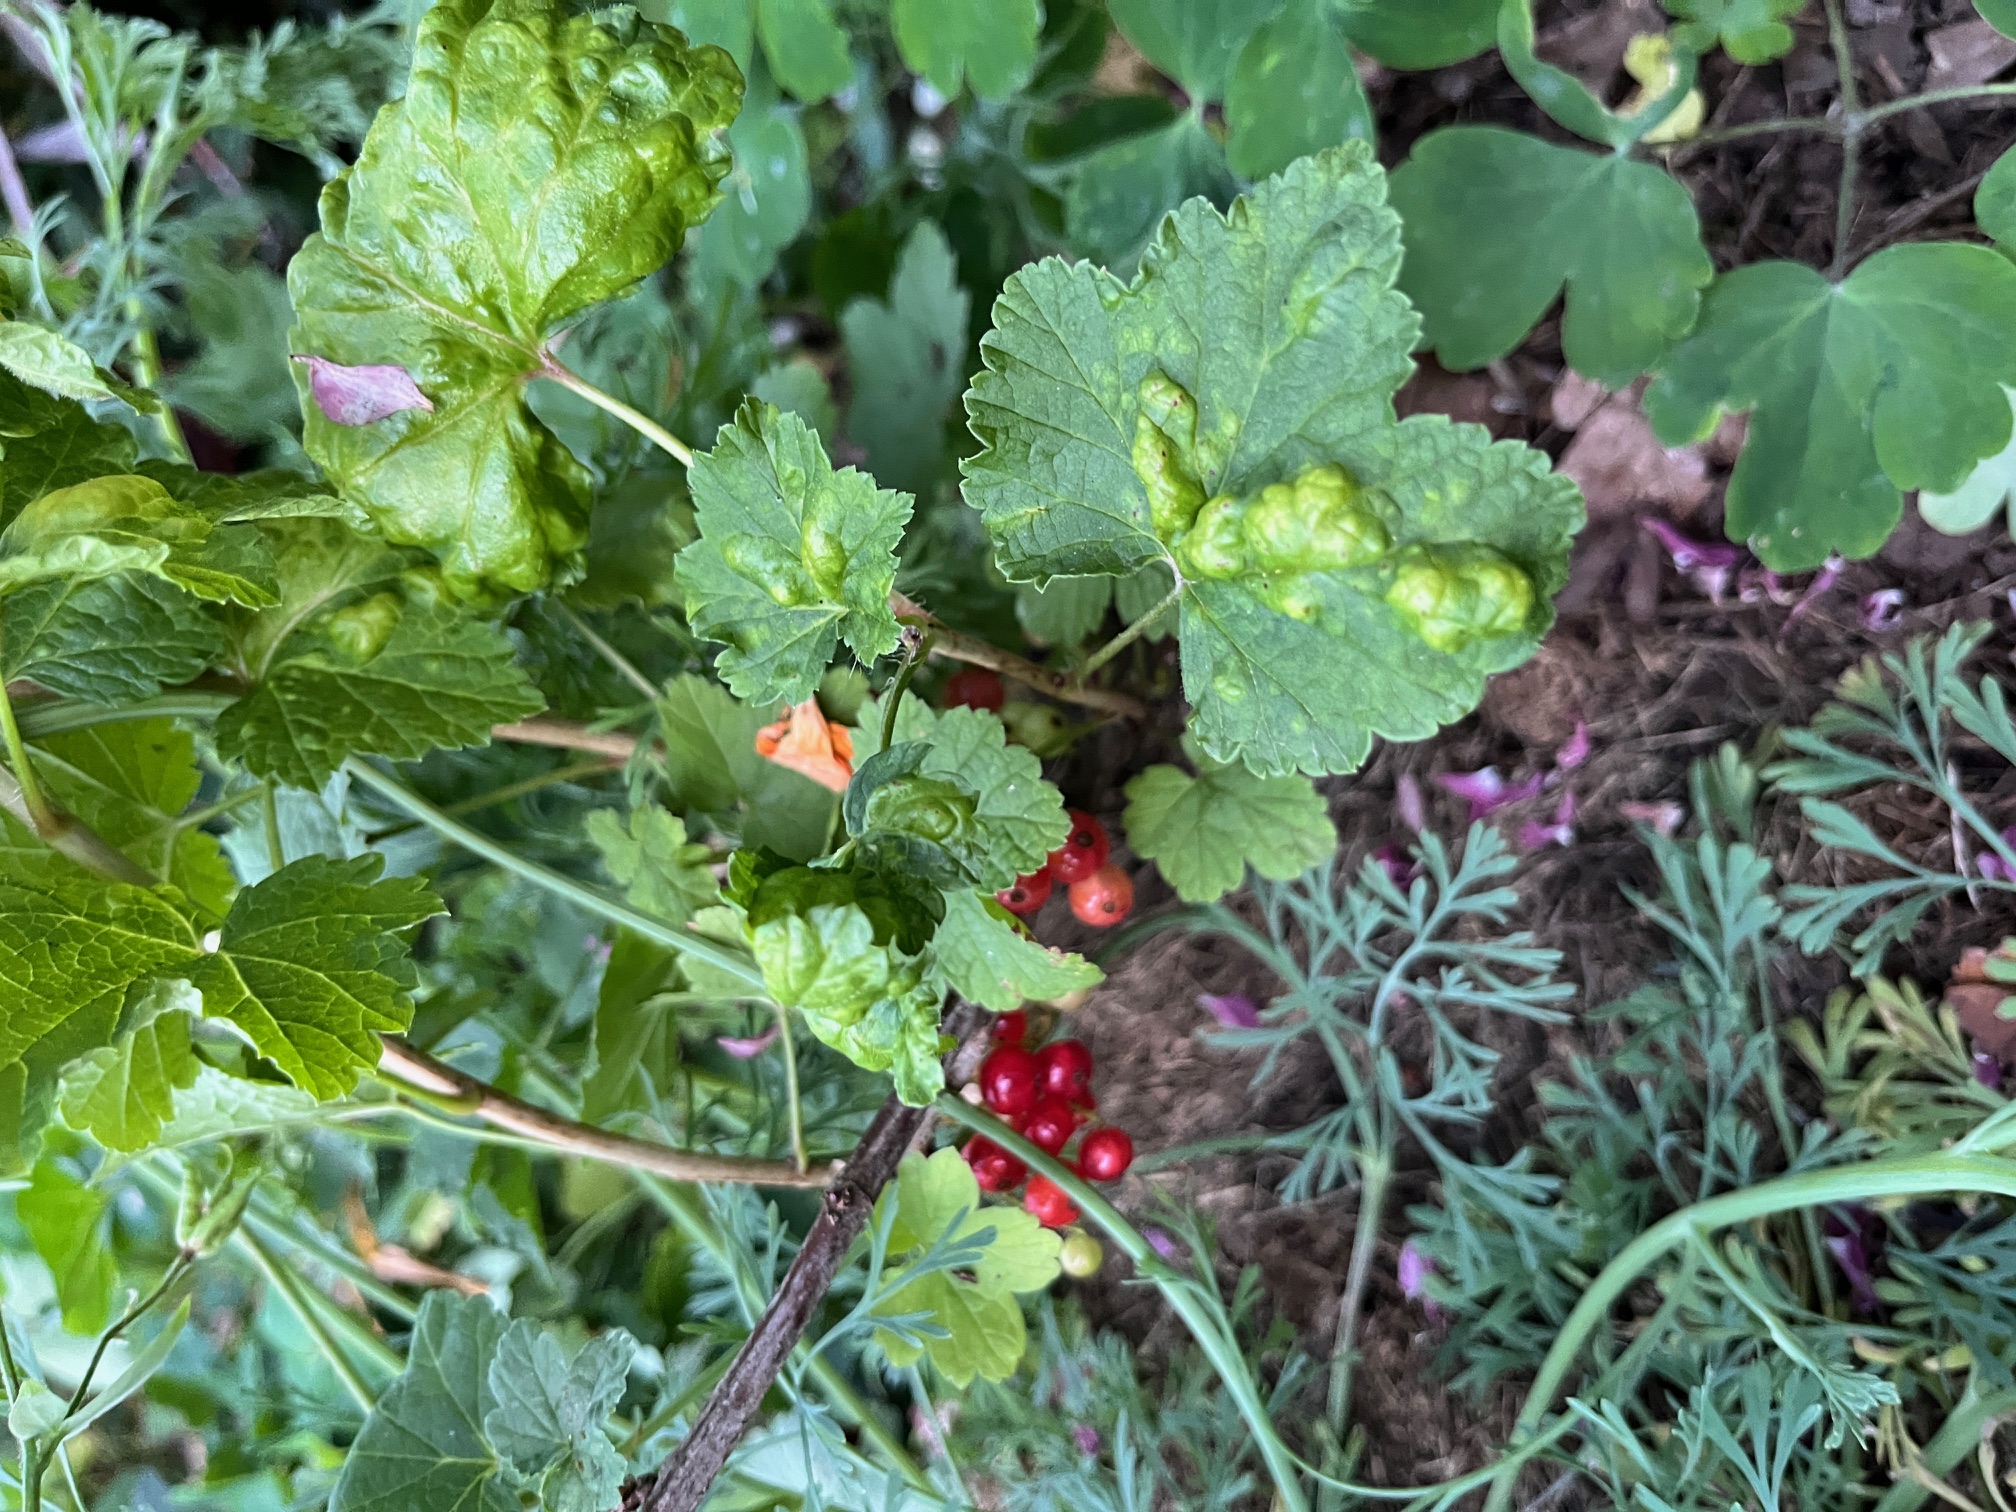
{"type": "Point", "coordinates": [176, 1268]}
{"type": "Point", "coordinates": [1135, 631]}
{"type": "Point", "coordinates": [42, 818]}
{"type": "Point", "coordinates": [59, 716]}
{"type": "Point", "coordinates": [641, 423]}
{"type": "Point", "coordinates": [1958, 1437]}
{"type": "Point", "coordinates": [1922, 1176]}
{"type": "Point", "coordinates": [1376, 1168]}
{"type": "Point", "coordinates": [284, 1281]}
{"type": "Point", "coordinates": [147, 374]}
{"type": "Point", "coordinates": [31, 1450]}
{"type": "Point", "coordinates": [893, 700]}
{"type": "Point", "coordinates": [797, 1113]}
{"type": "Point", "coordinates": [1851, 137]}
{"type": "Point", "coordinates": [573, 771]}
{"type": "Point", "coordinates": [269, 813]}
{"type": "Point", "coordinates": [616, 659]}
{"type": "Point", "coordinates": [587, 899]}
{"type": "Point", "coordinates": [1935, 97]}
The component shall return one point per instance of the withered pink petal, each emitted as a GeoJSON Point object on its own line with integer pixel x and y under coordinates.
{"type": "Point", "coordinates": [1576, 751]}
{"type": "Point", "coordinates": [1823, 580]}
{"type": "Point", "coordinates": [1413, 1270]}
{"type": "Point", "coordinates": [748, 1049]}
{"type": "Point", "coordinates": [1234, 1010]}
{"type": "Point", "coordinates": [361, 395]}
{"type": "Point", "coordinates": [1396, 864]}
{"type": "Point", "coordinates": [1882, 609]}
{"type": "Point", "coordinates": [1408, 802]}
{"type": "Point", "coordinates": [1485, 790]}
{"type": "Point", "coordinates": [1665, 818]}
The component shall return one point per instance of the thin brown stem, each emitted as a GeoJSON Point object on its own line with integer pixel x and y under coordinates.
{"type": "Point", "coordinates": [567, 737]}
{"type": "Point", "coordinates": [681, 1483]}
{"type": "Point", "coordinates": [404, 1067]}
{"type": "Point", "coordinates": [956, 645]}
{"type": "Point", "coordinates": [1852, 122]}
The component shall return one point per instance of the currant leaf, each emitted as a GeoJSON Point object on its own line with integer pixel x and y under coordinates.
{"type": "Point", "coordinates": [437, 680]}
{"type": "Point", "coordinates": [124, 1093]}
{"type": "Point", "coordinates": [988, 960]}
{"type": "Point", "coordinates": [539, 163]}
{"type": "Point", "coordinates": [793, 557]}
{"type": "Point", "coordinates": [1343, 575]}
{"type": "Point", "coordinates": [1498, 223]}
{"type": "Point", "coordinates": [1889, 380]}
{"type": "Point", "coordinates": [547, 1424]}
{"type": "Point", "coordinates": [47, 443]}
{"type": "Point", "coordinates": [1203, 832]}
{"type": "Point", "coordinates": [106, 640]}
{"type": "Point", "coordinates": [1118, 194]}
{"type": "Point", "coordinates": [660, 871]}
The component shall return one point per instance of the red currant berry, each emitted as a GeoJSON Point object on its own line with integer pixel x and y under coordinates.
{"type": "Point", "coordinates": [975, 688]}
{"type": "Point", "coordinates": [1104, 898]}
{"type": "Point", "coordinates": [1050, 1203]}
{"type": "Point", "coordinates": [993, 1167]}
{"type": "Point", "coordinates": [1026, 895]}
{"type": "Point", "coordinates": [1064, 1069]}
{"type": "Point", "coordinates": [1010, 1078]}
{"type": "Point", "coordinates": [1011, 1028]}
{"type": "Point", "coordinates": [1105, 1154]}
{"type": "Point", "coordinates": [1084, 850]}
{"type": "Point", "coordinates": [1049, 1125]}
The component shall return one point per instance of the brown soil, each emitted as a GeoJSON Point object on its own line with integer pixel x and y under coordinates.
{"type": "Point", "coordinates": [1661, 674]}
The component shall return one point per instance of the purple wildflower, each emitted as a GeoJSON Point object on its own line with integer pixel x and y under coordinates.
{"type": "Point", "coordinates": [1535, 836]}
{"type": "Point", "coordinates": [1850, 1248]}
{"type": "Point", "coordinates": [1409, 804]}
{"type": "Point", "coordinates": [1576, 751]}
{"type": "Point", "coordinates": [1823, 582]}
{"type": "Point", "coordinates": [1987, 1070]}
{"type": "Point", "coordinates": [1486, 790]}
{"type": "Point", "coordinates": [1233, 1010]}
{"type": "Point", "coordinates": [1707, 563]}
{"type": "Point", "coordinates": [1664, 817]}
{"type": "Point", "coordinates": [1413, 1272]}
{"type": "Point", "coordinates": [1882, 609]}
{"type": "Point", "coordinates": [1160, 1242]}
{"type": "Point", "coordinates": [1393, 861]}
{"type": "Point", "coordinates": [1086, 1437]}
{"type": "Point", "coordinates": [748, 1049]}
{"type": "Point", "coordinates": [1992, 866]}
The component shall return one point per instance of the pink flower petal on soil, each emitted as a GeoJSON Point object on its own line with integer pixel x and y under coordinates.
{"type": "Point", "coordinates": [1393, 861]}
{"type": "Point", "coordinates": [360, 395]}
{"type": "Point", "coordinates": [1882, 609]}
{"type": "Point", "coordinates": [1823, 582]}
{"type": "Point", "coordinates": [748, 1049]}
{"type": "Point", "coordinates": [1576, 751]}
{"type": "Point", "coordinates": [1707, 563]}
{"type": "Point", "coordinates": [1665, 818]}
{"type": "Point", "coordinates": [1409, 804]}
{"type": "Point", "coordinates": [1233, 1010]}
{"type": "Point", "coordinates": [1533, 836]}
{"type": "Point", "coordinates": [1485, 790]}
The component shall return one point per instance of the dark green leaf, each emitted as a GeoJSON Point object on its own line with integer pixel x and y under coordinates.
{"type": "Point", "coordinates": [1294, 90]}
{"type": "Point", "coordinates": [1119, 194]}
{"type": "Point", "coordinates": [1192, 41]}
{"type": "Point", "coordinates": [1995, 199]}
{"type": "Point", "coordinates": [907, 358]}
{"type": "Point", "coordinates": [1750, 31]}
{"type": "Point", "coordinates": [47, 443]}
{"type": "Point", "coordinates": [991, 42]}
{"type": "Point", "coordinates": [106, 640]}
{"type": "Point", "coordinates": [1408, 34]}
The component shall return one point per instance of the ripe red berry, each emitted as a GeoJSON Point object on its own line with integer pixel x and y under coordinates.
{"type": "Point", "coordinates": [1049, 1125]}
{"type": "Point", "coordinates": [975, 688]}
{"type": "Point", "coordinates": [1026, 894]}
{"type": "Point", "coordinates": [1084, 850]}
{"type": "Point", "coordinates": [1105, 1154]}
{"type": "Point", "coordinates": [1104, 898]}
{"type": "Point", "coordinates": [1064, 1069]}
{"type": "Point", "coordinates": [1050, 1203]}
{"type": "Point", "coordinates": [993, 1167]}
{"type": "Point", "coordinates": [1011, 1028]}
{"type": "Point", "coordinates": [1010, 1078]}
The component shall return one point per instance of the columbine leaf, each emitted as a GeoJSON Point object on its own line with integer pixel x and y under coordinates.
{"type": "Point", "coordinates": [1389, 569]}
{"type": "Point", "coordinates": [123, 1094]}
{"type": "Point", "coordinates": [48, 443]}
{"type": "Point", "coordinates": [1497, 222]}
{"type": "Point", "coordinates": [806, 47]}
{"type": "Point", "coordinates": [422, 1446]}
{"type": "Point", "coordinates": [1750, 31]}
{"type": "Point", "coordinates": [539, 163]}
{"type": "Point", "coordinates": [438, 680]}
{"type": "Point", "coordinates": [1408, 34]}
{"type": "Point", "coordinates": [1888, 380]}
{"type": "Point", "coordinates": [937, 1201]}
{"type": "Point", "coordinates": [1294, 90]}
{"type": "Point", "coordinates": [2000, 14]}
{"type": "Point", "coordinates": [106, 640]}
{"type": "Point", "coordinates": [662, 874]}
{"type": "Point", "coordinates": [65, 1220]}
{"type": "Point", "coordinates": [988, 959]}
{"type": "Point", "coordinates": [312, 964]}
{"type": "Point", "coordinates": [907, 361]}
{"type": "Point", "coordinates": [991, 42]}
{"type": "Point", "coordinates": [766, 199]}
{"type": "Point", "coordinates": [1995, 198]}
{"type": "Point", "coordinates": [1192, 41]}
{"type": "Point", "coordinates": [550, 1411]}
{"type": "Point", "coordinates": [793, 557]}
{"type": "Point", "coordinates": [1204, 831]}
{"type": "Point", "coordinates": [1976, 501]}
{"type": "Point", "coordinates": [1119, 193]}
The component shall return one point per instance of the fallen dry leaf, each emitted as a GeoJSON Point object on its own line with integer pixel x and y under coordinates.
{"type": "Point", "coordinates": [810, 744]}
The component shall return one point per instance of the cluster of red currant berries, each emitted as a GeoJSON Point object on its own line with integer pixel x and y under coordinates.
{"type": "Point", "coordinates": [1045, 1095]}
{"type": "Point", "coordinates": [1102, 894]}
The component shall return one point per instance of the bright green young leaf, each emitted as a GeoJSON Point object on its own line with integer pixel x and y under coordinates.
{"type": "Point", "coordinates": [131, 781]}
{"type": "Point", "coordinates": [1408, 34]}
{"type": "Point", "coordinates": [123, 1093]}
{"type": "Point", "coordinates": [1192, 41]}
{"type": "Point", "coordinates": [793, 557]}
{"type": "Point", "coordinates": [1343, 575]}
{"type": "Point", "coordinates": [2000, 14]}
{"type": "Point", "coordinates": [937, 1201]}
{"type": "Point", "coordinates": [56, 365]}
{"type": "Point", "coordinates": [1750, 31]}
{"type": "Point", "coordinates": [106, 640]}
{"type": "Point", "coordinates": [636, 1039]}
{"type": "Point", "coordinates": [1976, 501]}
{"type": "Point", "coordinates": [548, 1421]}
{"type": "Point", "coordinates": [766, 199]}
{"type": "Point", "coordinates": [1891, 379]}
{"type": "Point", "coordinates": [1497, 223]}
{"type": "Point", "coordinates": [1995, 198]}
{"type": "Point", "coordinates": [422, 1447]}
{"type": "Point", "coordinates": [661, 872]}
{"type": "Point", "coordinates": [539, 163]}
{"type": "Point", "coordinates": [806, 47]}
{"type": "Point", "coordinates": [130, 523]}
{"type": "Point", "coordinates": [47, 443]}
{"type": "Point", "coordinates": [436, 680]}
{"type": "Point", "coordinates": [907, 359]}
{"type": "Point", "coordinates": [991, 42]}
{"type": "Point", "coordinates": [989, 960]}
{"type": "Point", "coordinates": [1203, 832]}
{"type": "Point", "coordinates": [65, 1220]}
{"type": "Point", "coordinates": [712, 766]}
{"type": "Point", "coordinates": [922, 825]}
{"type": "Point", "coordinates": [1293, 90]}
{"type": "Point", "coordinates": [1119, 194]}
{"type": "Point", "coordinates": [322, 565]}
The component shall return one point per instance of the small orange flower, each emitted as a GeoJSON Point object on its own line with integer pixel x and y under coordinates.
{"type": "Point", "coordinates": [810, 744]}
